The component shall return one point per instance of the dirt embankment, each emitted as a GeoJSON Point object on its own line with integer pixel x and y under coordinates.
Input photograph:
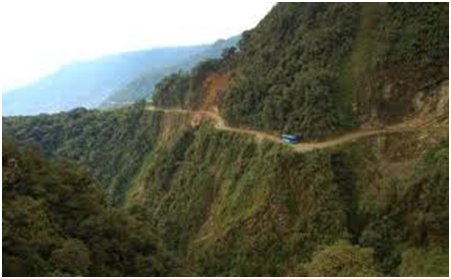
{"type": "Point", "coordinates": [213, 85]}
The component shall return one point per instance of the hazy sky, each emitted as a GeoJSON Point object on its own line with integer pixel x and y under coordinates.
{"type": "Point", "coordinates": [37, 36]}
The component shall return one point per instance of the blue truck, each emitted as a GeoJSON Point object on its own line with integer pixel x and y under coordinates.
{"type": "Point", "coordinates": [290, 139]}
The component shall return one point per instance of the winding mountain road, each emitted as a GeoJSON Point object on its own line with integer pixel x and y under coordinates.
{"type": "Point", "coordinates": [220, 124]}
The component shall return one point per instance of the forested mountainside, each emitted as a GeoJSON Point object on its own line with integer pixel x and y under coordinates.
{"type": "Point", "coordinates": [91, 138]}
{"type": "Point", "coordinates": [317, 69]}
{"type": "Point", "coordinates": [55, 223]}
{"type": "Point", "coordinates": [143, 86]}
{"type": "Point", "coordinates": [229, 204]}
{"type": "Point", "coordinates": [203, 169]}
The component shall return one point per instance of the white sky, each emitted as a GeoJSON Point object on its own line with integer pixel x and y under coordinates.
{"type": "Point", "coordinates": [37, 36]}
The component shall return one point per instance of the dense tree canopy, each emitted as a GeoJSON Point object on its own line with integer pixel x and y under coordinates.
{"type": "Point", "coordinates": [342, 259]}
{"type": "Point", "coordinates": [287, 74]}
{"type": "Point", "coordinates": [317, 68]}
{"type": "Point", "coordinates": [94, 138]}
{"type": "Point", "coordinates": [55, 223]}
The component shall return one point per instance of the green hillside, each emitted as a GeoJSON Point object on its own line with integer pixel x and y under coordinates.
{"type": "Point", "coordinates": [229, 205]}
{"type": "Point", "coordinates": [319, 69]}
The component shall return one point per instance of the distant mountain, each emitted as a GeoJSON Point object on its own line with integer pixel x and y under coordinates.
{"type": "Point", "coordinates": [142, 86]}
{"type": "Point", "coordinates": [88, 83]}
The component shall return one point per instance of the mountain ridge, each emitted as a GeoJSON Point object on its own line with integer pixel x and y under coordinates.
{"type": "Point", "coordinates": [91, 83]}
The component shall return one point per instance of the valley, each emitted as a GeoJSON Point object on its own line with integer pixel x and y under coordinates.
{"type": "Point", "coordinates": [185, 173]}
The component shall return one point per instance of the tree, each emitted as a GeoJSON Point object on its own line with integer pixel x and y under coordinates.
{"type": "Point", "coordinates": [433, 261]}
{"type": "Point", "coordinates": [73, 257]}
{"type": "Point", "coordinates": [342, 259]}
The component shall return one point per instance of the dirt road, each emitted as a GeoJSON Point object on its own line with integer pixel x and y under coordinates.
{"type": "Point", "coordinates": [220, 124]}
